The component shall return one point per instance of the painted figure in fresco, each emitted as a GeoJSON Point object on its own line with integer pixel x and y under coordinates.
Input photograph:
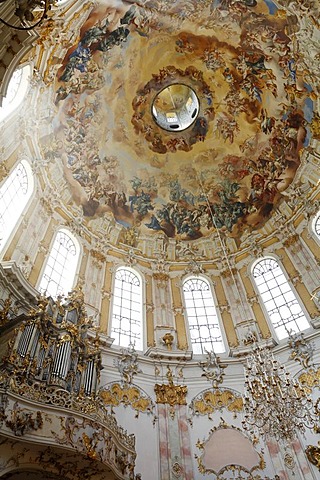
{"type": "Point", "coordinates": [100, 37]}
{"type": "Point", "coordinates": [115, 38]}
{"type": "Point", "coordinates": [251, 154]}
{"type": "Point", "coordinates": [257, 187]}
{"type": "Point", "coordinates": [78, 59]}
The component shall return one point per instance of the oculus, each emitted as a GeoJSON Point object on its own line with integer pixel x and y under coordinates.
{"type": "Point", "coordinates": [176, 107]}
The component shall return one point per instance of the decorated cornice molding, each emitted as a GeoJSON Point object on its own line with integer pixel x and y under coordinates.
{"type": "Point", "coordinates": [21, 291]}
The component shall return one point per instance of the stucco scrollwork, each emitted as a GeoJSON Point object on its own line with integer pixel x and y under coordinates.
{"type": "Point", "coordinates": [313, 455]}
{"type": "Point", "coordinates": [128, 364]}
{"type": "Point", "coordinates": [212, 369]}
{"type": "Point", "coordinates": [210, 401]}
{"type": "Point", "coordinates": [127, 395]}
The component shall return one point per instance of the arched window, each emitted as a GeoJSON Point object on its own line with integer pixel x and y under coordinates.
{"type": "Point", "coordinates": [316, 225]}
{"type": "Point", "coordinates": [14, 195]}
{"type": "Point", "coordinates": [278, 298]}
{"type": "Point", "coordinates": [202, 316]}
{"type": "Point", "coordinates": [60, 270]}
{"type": "Point", "coordinates": [16, 91]}
{"type": "Point", "coordinates": [126, 323]}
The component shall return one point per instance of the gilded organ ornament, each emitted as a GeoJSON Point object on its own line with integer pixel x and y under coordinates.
{"type": "Point", "coordinates": [22, 422]}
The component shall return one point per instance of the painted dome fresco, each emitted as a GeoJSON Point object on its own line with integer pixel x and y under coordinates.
{"type": "Point", "coordinates": [251, 104]}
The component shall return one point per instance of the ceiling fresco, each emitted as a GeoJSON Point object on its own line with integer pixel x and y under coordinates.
{"type": "Point", "coordinates": [229, 169]}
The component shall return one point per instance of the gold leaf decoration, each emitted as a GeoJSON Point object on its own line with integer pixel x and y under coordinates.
{"type": "Point", "coordinates": [212, 400]}
{"type": "Point", "coordinates": [310, 379]}
{"type": "Point", "coordinates": [128, 396]}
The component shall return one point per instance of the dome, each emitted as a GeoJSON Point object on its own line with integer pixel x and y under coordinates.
{"type": "Point", "coordinates": [160, 213]}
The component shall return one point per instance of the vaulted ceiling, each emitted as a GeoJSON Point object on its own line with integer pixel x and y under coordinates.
{"type": "Point", "coordinates": [231, 168]}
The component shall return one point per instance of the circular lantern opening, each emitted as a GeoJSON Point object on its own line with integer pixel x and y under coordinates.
{"type": "Point", "coordinates": [175, 108]}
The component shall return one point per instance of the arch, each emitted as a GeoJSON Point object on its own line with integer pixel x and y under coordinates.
{"type": "Point", "coordinates": [15, 193]}
{"type": "Point", "coordinates": [279, 299]}
{"type": "Point", "coordinates": [16, 90]}
{"type": "Point", "coordinates": [126, 321]}
{"type": "Point", "coordinates": [316, 226]}
{"type": "Point", "coordinates": [60, 269]}
{"type": "Point", "coordinates": [203, 320]}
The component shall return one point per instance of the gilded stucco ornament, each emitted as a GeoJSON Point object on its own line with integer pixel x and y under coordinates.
{"type": "Point", "coordinates": [168, 340]}
{"type": "Point", "coordinates": [310, 379]}
{"type": "Point", "coordinates": [210, 401]}
{"type": "Point", "coordinates": [194, 267]}
{"type": "Point", "coordinates": [313, 455]}
{"type": "Point", "coordinates": [315, 126]}
{"type": "Point", "coordinates": [171, 394]}
{"type": "Point", "coordinates": [127, 395]}
{"type": "Point", "coordinates": [22, 422]}
{"type": "Point", "coordinates": [130, 237]}
{"type": "Point", "coordinates": [8, 311]}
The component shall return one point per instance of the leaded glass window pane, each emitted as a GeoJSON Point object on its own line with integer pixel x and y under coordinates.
{"type": "Point", "coordinates": [126, 323]}
{"type": "Point", "coordinates": [282, 306]}
{"type": "Point", "coordinates": [202, 317]}
{"type": "Point", "coordinates": [59, 273]}
{"type": "Point", "coordinates": [14, 195]}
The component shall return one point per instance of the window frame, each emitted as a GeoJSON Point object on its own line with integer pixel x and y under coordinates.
{"type": "Point", "coordinates": [262, 303]}
{"type": "Point", "coordinates": [30, 196]}
{"type": "Point", "coordinates": [217, 312]}
{"type": "Point", "coordinates": [140, 276]}
{"type": "Point", "coordinates": [21, 91]}
{"type": "Point", "coordinates": [315, 220]}
{"type": "Point", "coordinates": [78, 247]}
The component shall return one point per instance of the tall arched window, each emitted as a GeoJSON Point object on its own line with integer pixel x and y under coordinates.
{"type": "Point", "coordinates": [278, 298]}
{"type": "Point", "coordinates": [316, 225]}
{"type": "Point", "coordinates": [16, 91]}
{"type": "Point", "coordinates": [202, 316]}
{"type": "Point", "coordinates": [14, 195]}
{"type": "Point", "coordinates": [60, 270]}
{"type": "Point", "coordinates": [126, 323]}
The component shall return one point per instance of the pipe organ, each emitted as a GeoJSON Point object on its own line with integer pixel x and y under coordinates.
{"type": "Point", "coordinates": [52, 346]}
